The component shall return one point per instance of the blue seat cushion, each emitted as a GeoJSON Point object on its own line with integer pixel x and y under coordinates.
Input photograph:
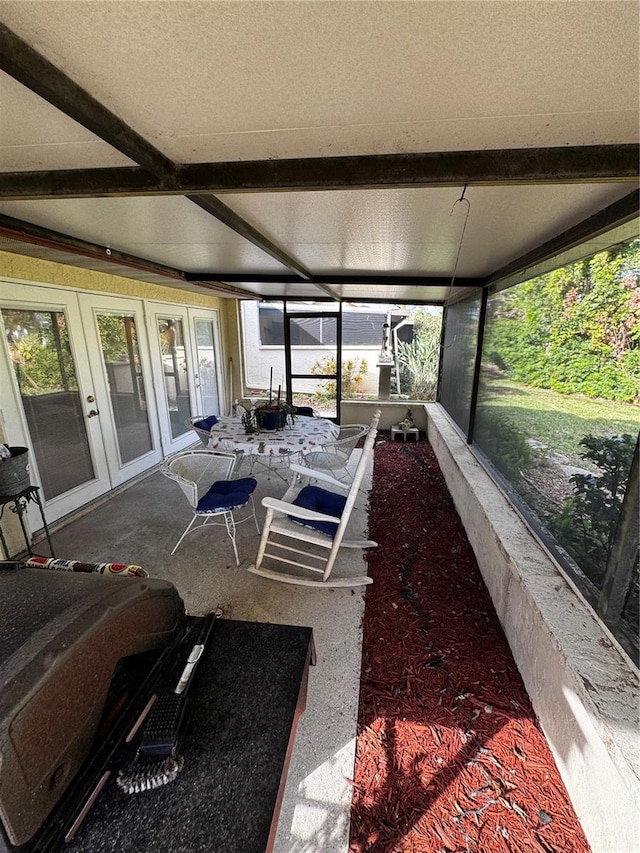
{"type": "Point", "coordinates": [320, 500]}
{"type": "Point", "coordinates": [206, 423]}
{"type": "Point", "coordinates": [226, 495]}
{"type": "Point", "coordinates": [304, 411]}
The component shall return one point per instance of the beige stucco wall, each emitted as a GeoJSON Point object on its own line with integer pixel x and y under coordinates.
{"type": "Point", "coordinates": [47, 272]}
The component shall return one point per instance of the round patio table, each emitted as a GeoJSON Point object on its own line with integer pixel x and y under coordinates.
{"type": "Point", "coordinates": [304, 435]}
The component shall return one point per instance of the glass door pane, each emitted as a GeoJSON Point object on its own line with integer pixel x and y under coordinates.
{"type": "Point", "coordinates": [175, 373]}
{"type": "Point", "coordinates": [122, 367]}
{"type": "Point", "coordinates": [169, 334]}
{"type": "Point", "coordinates": [173, 350]}
{"type": "Point", "coordinates": [207, 373]}
{"type": "Point", "coordinates": [45, 372]}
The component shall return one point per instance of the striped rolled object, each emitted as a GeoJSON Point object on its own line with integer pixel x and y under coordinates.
{"type": "Point", "coordinates": [57, 565]}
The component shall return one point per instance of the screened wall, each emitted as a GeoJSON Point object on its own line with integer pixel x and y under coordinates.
{"type": "Point", "coordinates": [458, 358]}
{"type": "Point", "coordinates": [555, 415]}
{"type": "Point", "coordinates": [412, 338]}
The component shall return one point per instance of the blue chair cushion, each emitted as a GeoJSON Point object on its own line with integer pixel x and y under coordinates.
{"type": "Point", "coordinates": [304, 411]}
{"type": "Point", "coordinates": [226, 495]}
{"type": "Point", "coordinates": [206, 423]}
{"type": "Point", "coordinates": [320, 500]}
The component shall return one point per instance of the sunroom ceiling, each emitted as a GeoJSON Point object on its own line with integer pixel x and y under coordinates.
{"type": "Point", "coordinates": [277, 149]}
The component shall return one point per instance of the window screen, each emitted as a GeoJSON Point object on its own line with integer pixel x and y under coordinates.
{"type": "Point", "coordinates": [458, 358]}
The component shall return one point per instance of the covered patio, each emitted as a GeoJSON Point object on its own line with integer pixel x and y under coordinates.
{"type": "Point", "coordinates": [325, 806]}
{"type": "Point", "coordinates": [142, 523]}
{"type": "Point", "coordinates": [162, 163]}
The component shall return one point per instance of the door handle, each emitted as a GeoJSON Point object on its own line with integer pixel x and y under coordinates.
{"type": "Point", "coordinates": [93, 413]}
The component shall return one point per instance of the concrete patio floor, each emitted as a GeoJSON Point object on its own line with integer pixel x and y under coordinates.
{"type": "Point", "coordinates": [141, 523]}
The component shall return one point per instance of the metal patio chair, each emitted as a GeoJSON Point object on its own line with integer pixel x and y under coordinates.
{"type": "Point", "coordinates": [201, 425]}
{"type": "Point", "coordinates": [205, 478]}
{"type": "Point", "coordinates": [334, 456]}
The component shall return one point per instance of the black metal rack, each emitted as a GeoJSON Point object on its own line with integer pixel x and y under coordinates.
{"type": "Point", "coordinates": [20, 501]}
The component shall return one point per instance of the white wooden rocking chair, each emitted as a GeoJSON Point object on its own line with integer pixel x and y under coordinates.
{"type": "Point", "coordinates": [317, 518]}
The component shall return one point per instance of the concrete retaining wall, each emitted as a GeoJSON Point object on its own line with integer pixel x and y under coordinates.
{"type": "Point", "coordinates": [582, 686]}
{"type": "Point", "coordinates": [391, 413]}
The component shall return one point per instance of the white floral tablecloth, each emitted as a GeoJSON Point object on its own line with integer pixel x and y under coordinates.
{"type": "Point", "coordinates": [305, 435]}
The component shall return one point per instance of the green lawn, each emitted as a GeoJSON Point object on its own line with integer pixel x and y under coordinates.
{"type": "Point", "coordinates": [559, 421]}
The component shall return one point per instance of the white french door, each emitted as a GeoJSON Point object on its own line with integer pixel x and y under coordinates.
{"type": "Point", "coordinates": [76, 389]}
{"type": "Point", "coordinates": [208, 366]}
{"type": "Point", "coordinates": [118, 354]}
{"type": "Point", "coordinates": [48, 397]}
{"type": "Point", "coordinates": [168, 329]}
{"type": "Point", "coordinates": [185, 344]}
{"type": "Point", "coordinates": [99, 387]}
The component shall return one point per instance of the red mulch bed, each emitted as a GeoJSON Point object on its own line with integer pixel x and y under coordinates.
{"type": "Point", "coordinates": [449, 754]}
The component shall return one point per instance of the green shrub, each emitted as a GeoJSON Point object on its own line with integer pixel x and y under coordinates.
{"type": "Point", "coordinates": [586, 526]}
{"type": "Point", "coordinates": [575, 330]}
{"type": "Point", "coordinates": [502, 442]}
{"type": "Point", "coordinates": [353, 372]}
{"type": "Point", "coordinates": [419, 359]}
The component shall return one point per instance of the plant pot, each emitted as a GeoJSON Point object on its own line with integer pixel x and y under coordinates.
{"type": "Point", "coordinates": [14, 472]}
{"type": "Point", "coordinates": [271, 419]}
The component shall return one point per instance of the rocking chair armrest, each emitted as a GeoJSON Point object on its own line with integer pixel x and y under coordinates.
{"type": "Point", "coordinates": [319, 475]}
{"type": "Point", "coordinates": [298, 511]}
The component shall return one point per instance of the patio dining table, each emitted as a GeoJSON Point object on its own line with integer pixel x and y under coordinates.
{"type": "Point", "coordinates": [304, 435]}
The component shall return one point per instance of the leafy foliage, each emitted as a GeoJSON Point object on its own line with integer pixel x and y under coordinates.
{"type": "Point", "coordinates": [353, 372]}
{"type": "Point", "coordinates": [587, 524]}
{"type": "Point", "coordinates": [419, 359]}
{"type": "Point", "coordinates": [575, 330]}
{"type": "Point", "coordinates": [117, 337]}
{"type": "Point", "coordinates": [40, 351]}
{"type": "Point", "coordinates": [502, 441]}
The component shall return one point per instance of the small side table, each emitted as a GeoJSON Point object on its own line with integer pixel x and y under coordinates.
{"type": "Point", "coordinates": [20, 501]}
{"type": "Point", "coordinates": [413, 433]}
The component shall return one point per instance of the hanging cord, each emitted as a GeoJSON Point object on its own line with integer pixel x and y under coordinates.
{"type": "Point", "coordinates": [464, 228]}
{"type": "Point", "coordinates": [455, 266]}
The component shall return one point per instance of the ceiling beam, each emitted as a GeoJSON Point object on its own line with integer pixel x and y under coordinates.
{"type": "Point", "coordinates": [570, 164]}
{"type": "Point", "coordinates": [619, 213]}
{"type": "Point", "coordinates": [81, 183]}
{"type": "Point", "coordinates": [374, 279]}
{"type": "Point", "coordinates": [16, 229]}
{"type": "Point", "coordinates": [35, 72]}
{"type": "Point", "coordinates": [506, 167]}
{"type": "Point", "coordinates": [228, 217]}
{"type": "Point", "coordinates": [28, 67]}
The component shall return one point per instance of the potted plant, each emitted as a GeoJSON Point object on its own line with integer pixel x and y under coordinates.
{"type": "Point", "coordinates": [271, 415]}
